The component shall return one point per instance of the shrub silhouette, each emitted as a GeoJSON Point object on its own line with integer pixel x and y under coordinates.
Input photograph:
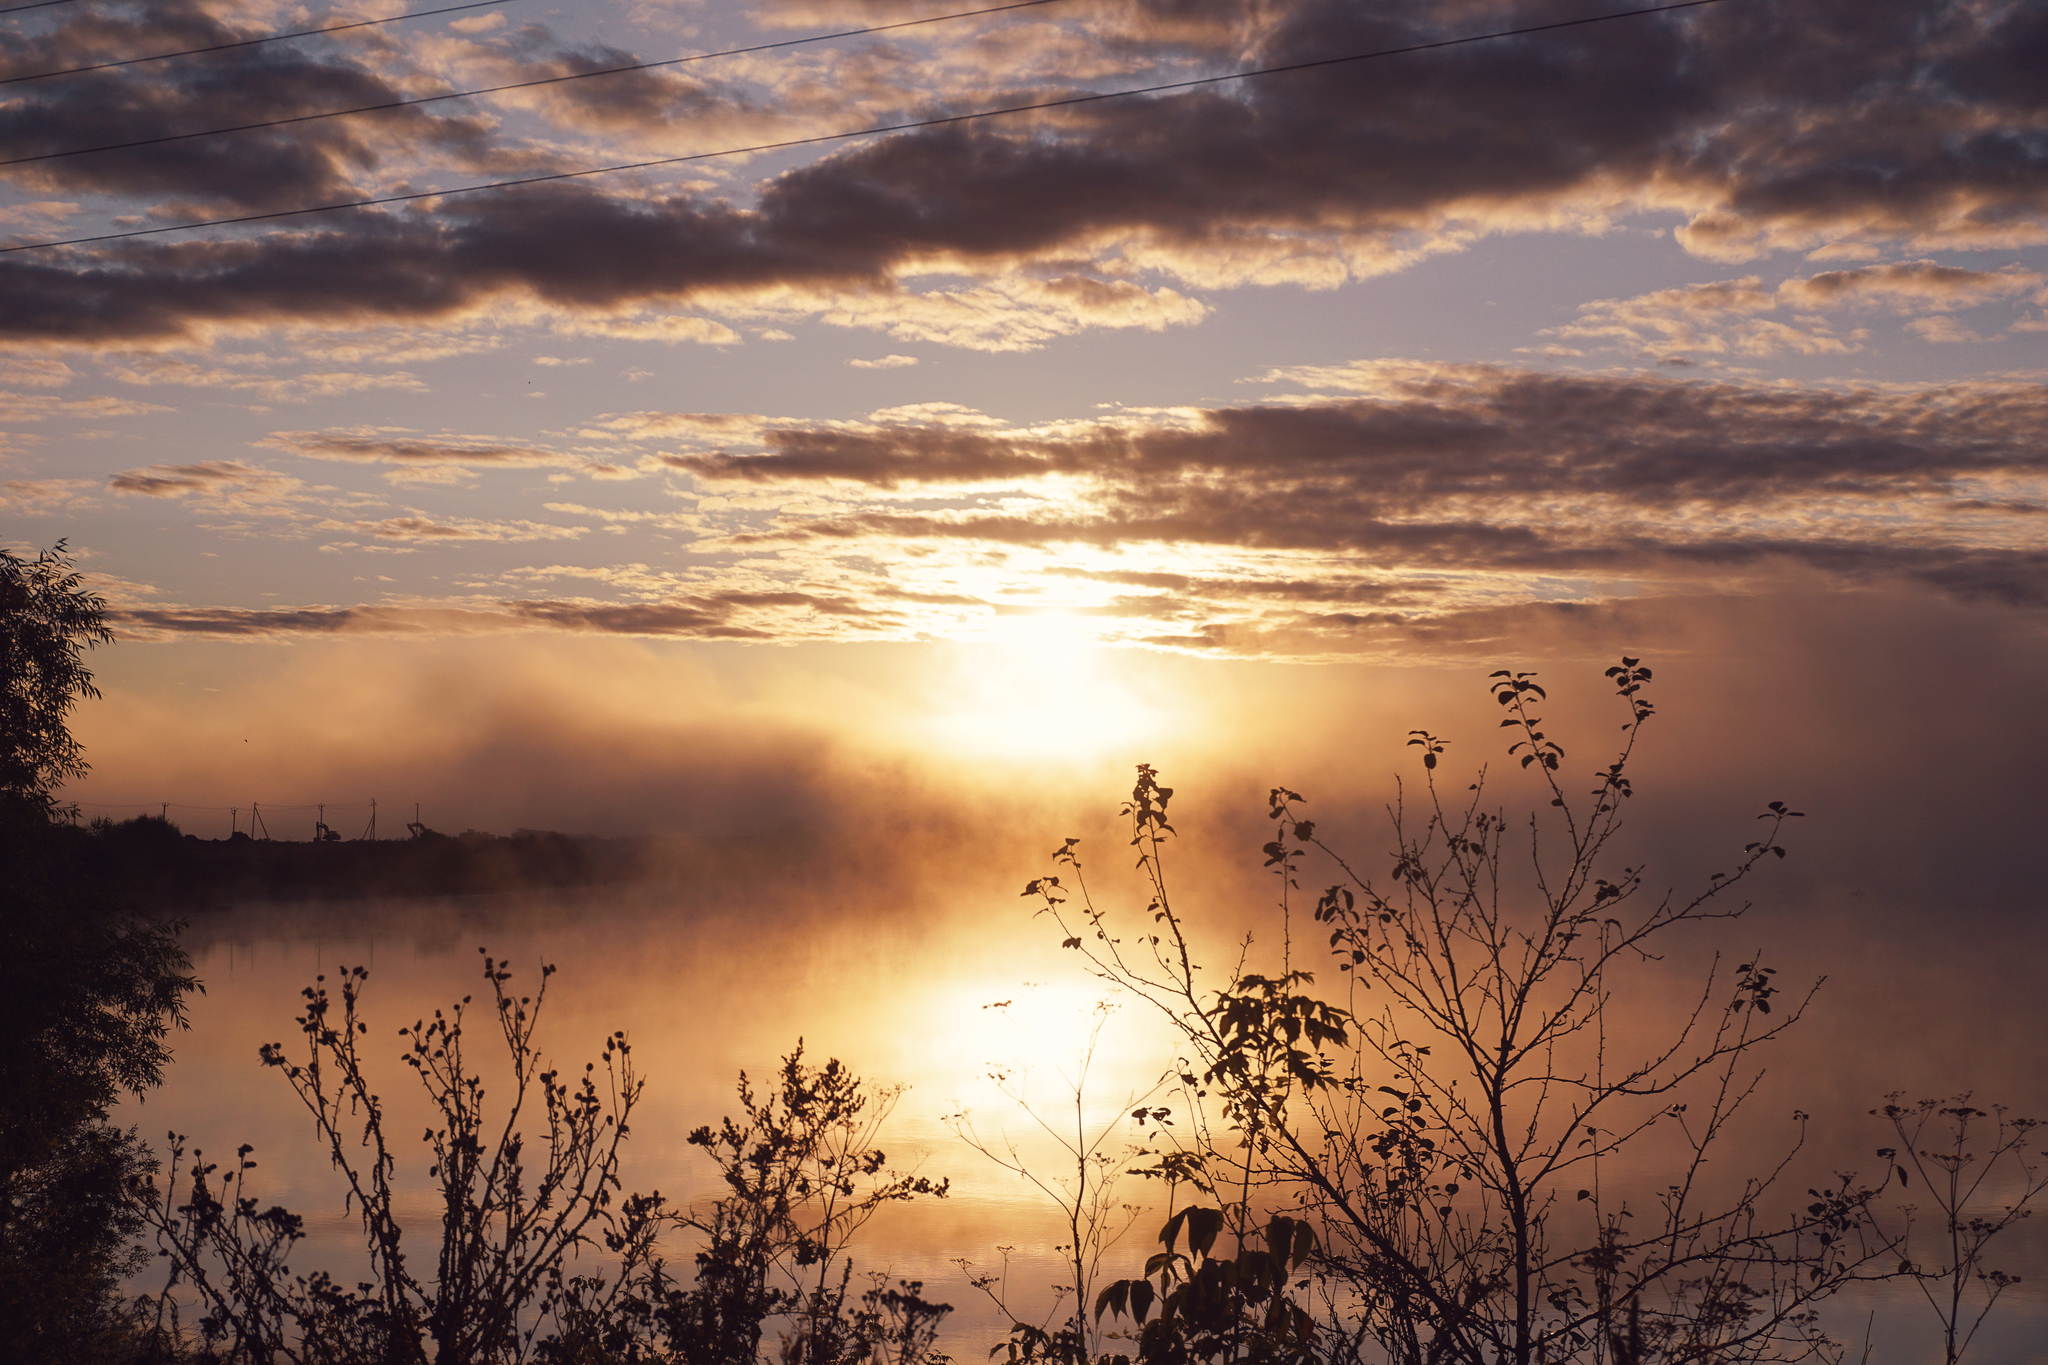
{"type": "Point", "coordinates": [511, 1214]}
{"type": "Point", "coordinates": [517, 1212]}
{"type": "Point", "coordinates": [1936, 1138]}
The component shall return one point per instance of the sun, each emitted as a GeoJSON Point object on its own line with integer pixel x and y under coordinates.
{"type": "Point", "coordinates": [1042, 686]}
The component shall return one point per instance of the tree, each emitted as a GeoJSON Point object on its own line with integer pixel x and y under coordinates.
{"type": "Point", "coordinates": [89, 992]}
{"type": "Point", "coordinates": [1421, 1164]}
{"type": "Point", "coordinates": [47, 622]}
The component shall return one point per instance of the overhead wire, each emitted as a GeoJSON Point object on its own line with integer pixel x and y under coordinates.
{"type": "Point", "coordinates": [242, 42]}
{"type": "Point", "coordinates": [521, 85]}
{"type": "Point", "coordinates": [876, 130]}
{"type": "Point", "coordinates": [39, 4]}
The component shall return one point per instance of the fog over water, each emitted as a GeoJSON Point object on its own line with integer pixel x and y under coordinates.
{"type": "Point", "coordinates": [870, 907]}
{"type": "Point", "coordinates": [704, 991]}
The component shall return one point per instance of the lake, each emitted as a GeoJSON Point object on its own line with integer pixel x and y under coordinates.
{"type": "Point", "coordinates": [708, 981]}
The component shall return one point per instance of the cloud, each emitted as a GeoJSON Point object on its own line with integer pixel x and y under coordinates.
{"type": "Point", "coordinates": [1941, 329]}
{"type": "Point", "coordinates": [729, 616]}
{"type": "Point", "coordinates": [1909, 286]}
{"type": "Point", "coordinates": [887, 362]}
{"type": "Point", "coordinates": [418, 453]}
{"type": "Point", "coordinates": [677, 520]}
{"type": "Point", "coordinates": [1722, 318]}
{"type": "Point", "coordinates": [39, 216]}
{"type": "Point", "coordinates": [38, 407]}
{"type": "Point", "coordinates": [217, 477]}
{"type": "Point", "coordinates": [1717, 318]}
{"type": "Point", "coordinates": [41, 372]}
{"type": "Point", "coordinates": [297, 388]}
{"type": "Point", "coordinates": [44, 497]}
{"type": "Point", "coordinates": [251, 171]}
{"type": "Point", "coordinates": [424, 528]}
{"type": "Point", "coordinates": [1358, 504]}
{"type": "Point", "coordinates": [655, 426]}
{"type": "Point", "coordinates": [1438, 487]}
{"type": "Point", "coordinates": [639, 325]}
{"type": "Point", "coordinates": [1899, 121]}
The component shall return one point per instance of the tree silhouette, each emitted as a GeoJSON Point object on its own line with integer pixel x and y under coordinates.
{"type": "Point", "coordinates": [89, 991]}
{"type": "Point", "coordinates": [1417, 1162]}
{"type": "Point", "coordinates": [47, 622]}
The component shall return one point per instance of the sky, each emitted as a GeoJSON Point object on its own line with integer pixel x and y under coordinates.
{"type": "Point", "coordinates": [626, 499]}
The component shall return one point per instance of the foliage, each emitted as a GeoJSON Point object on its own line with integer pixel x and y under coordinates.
{"type": "Point", "coordinates": [1415, 1167]}
{"type": "Point", "coordinates": [802, 1172]}
{"type": "Point", "coordinates": [803, 1175]}
{"type": "Point", "coordinates": [89, 992]}
{"type": "Point", "coordinates": [1977, 1195]}
{"type": "Point", "coordinates": [511, 1212]}
{"type": "Point", "coordinates": [47, 622]}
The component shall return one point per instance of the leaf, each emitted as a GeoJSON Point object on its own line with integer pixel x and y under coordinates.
{"type": "Point", "coordinates": [1204, 1226]}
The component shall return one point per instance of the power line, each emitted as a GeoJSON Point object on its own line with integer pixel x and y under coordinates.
{"type": "Point", "coordinates": [39, 4]}
{"type": "Point", "coordinates": [518, 85]}
{"type": "Point", "coordinates": [878, 129]}
{"type": "Point", "coordinates": [245, 42]}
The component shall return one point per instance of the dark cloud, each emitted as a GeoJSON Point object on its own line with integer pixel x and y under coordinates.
{"type": "Point", "coordinates": [658, 101]}
{"type": "Point", "coordinates": [1474, 469]}
{"type": "Point", "coordinates": [1400, 493]}
{"type": "Point", "coordinates": [728, 615]}
{"type": "Point", "coordinates": [1431, 432]}
{"type": "Point", "coordinates": [207, 476]}
{"type": "Point", "coordinates": [256, 170]}
{"type": "Point", "coordinates": [1772, 126]}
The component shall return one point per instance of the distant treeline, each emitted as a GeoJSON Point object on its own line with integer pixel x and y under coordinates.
{"type": "Point", "coordinates": [149, 861]}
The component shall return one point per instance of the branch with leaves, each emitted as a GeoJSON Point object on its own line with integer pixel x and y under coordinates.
{"type": "Point", "coordinates": [1438, 1126]}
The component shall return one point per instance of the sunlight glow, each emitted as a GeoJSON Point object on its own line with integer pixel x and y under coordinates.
{"type": "Point", "coordinates": [1042, 686]}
